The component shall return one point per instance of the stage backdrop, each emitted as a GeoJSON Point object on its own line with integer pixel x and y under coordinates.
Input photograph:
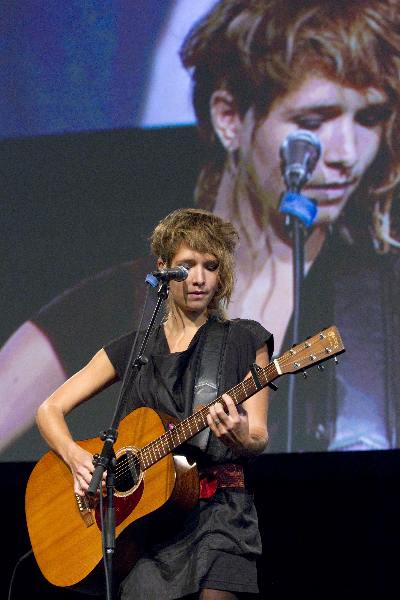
{"type": "Point", "coordinates": [98, 144]}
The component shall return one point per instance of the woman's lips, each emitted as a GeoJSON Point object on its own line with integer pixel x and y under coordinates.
{"type": "Point", "coordinates": [196, 295]}
{"type": "Point", "coordinates": [330, 191]}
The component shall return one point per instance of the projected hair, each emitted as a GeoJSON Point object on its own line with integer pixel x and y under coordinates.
{"type": "Point", "coordinates": [259, 49]}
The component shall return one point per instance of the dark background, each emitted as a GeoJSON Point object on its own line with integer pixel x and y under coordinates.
{"type": "Point", "coordinates": [329, 524]}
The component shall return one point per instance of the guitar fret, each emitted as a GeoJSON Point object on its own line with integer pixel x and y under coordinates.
{"type": "Point", "coordinates": [170, 442]}
{"type": "Point", "coordinates": [199, 421]}
{"type": "Point", "coordinates": [177, 431]}
{"type": "Point", "coordinates": [144, 459]}
{"type": "Point", "coordinates": [233, 393]}
{"type": "Point", "coordinates": [151, 456]}
{"type": "Point", "coordinates": [153, 453]}
{"type": "Point", "coordinates": [250, 387]}
{"type": "Point", "coordinates": [177, 439]}
{"type": "Point", "coordinates": [203, 418]}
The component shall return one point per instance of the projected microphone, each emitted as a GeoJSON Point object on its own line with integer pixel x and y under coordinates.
{"type": "Point", "coordinates": [299, 153]}
{"type": "Point", "coordinates": [175, 274]}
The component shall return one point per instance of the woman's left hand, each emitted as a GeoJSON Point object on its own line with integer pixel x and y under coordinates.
{"type": "Point", "coordinates": [231, 427]}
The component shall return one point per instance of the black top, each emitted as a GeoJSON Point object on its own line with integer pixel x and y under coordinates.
{"type": "Point", "coordinates": [217, 543]}
{"type": "Point", "coordinates": [166, 382]}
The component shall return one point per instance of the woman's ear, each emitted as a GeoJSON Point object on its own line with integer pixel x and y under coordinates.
{"type": "Point", "coordinates": [160, 264]}
{"type": "Point", "coordinates": [225, 119]}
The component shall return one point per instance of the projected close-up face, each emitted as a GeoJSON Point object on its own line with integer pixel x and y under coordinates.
{"type": "Point", "coordinates": [113, 109]}
{"type": "Point", "coordinates": [349, 124]}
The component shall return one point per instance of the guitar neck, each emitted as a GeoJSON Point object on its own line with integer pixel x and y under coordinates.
{"type": "Point", "coordinates": [191, 426]}
{"type": "Point", "coordinates": [313, 351]}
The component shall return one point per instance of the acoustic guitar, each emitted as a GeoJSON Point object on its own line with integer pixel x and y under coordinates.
{"type": "Point", "coordinates": [65, 529]}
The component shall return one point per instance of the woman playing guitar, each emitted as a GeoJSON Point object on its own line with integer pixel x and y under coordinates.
{"type": "Point", "coordinates": [212, 550]}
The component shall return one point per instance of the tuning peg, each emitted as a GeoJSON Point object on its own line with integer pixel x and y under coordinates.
{"type": "Point", "coordinates": [320, 367]}
{"type": "Point", "coordinates": [336, 360]}
{"type": "Point", "coordinates": [305, 374]}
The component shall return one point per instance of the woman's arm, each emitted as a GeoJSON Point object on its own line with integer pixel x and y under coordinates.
{"type": "Point", "coordinates": [50, 417]}
{"type": "Point", "coordinates": [243, 428]}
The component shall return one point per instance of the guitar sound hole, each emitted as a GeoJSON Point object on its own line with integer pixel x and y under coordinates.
{"type": "Point", "coordinates": [127, 471]}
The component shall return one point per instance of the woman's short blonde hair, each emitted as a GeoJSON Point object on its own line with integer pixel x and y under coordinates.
{"type": "Point", "coordinates": [203, 232]}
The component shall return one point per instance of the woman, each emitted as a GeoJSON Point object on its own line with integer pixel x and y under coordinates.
{"type": "Point", "coordinates": [212, 554]}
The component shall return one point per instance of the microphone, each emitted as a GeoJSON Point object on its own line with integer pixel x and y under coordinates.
{"type": "Point", "coordinates": [299, 154]}
{"type": "Point", "coordinates": [175, 274]}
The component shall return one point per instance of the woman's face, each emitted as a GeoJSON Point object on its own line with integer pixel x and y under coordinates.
{"type": "Point", "coordinates": [349, 124]}
{"type": "Point", "coordinates": [193, 295]}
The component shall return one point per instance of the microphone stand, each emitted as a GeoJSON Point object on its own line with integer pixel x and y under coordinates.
{"type": "Point", "coordinates": [299, 153]}
{"type": "Point", "coordinates": [106, 460]}
{"type": "Point", "coordinates": [300, 211]}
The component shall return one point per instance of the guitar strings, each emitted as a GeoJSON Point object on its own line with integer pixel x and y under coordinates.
{"type": "Point", "coordinates": [156, 449]}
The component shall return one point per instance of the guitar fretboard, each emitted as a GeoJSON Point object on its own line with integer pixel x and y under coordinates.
{"type": "Point", "coordinates": [189, 427]}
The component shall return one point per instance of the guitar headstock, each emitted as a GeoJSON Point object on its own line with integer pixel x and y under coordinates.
{"type": "Point", "coordinates": [313, 351]}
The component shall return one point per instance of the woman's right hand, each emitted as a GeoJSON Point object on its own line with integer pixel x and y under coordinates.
{"type": "Point", "coordinates": [50, 416]}
{"type": "Point", "coordinates": [80, 461]}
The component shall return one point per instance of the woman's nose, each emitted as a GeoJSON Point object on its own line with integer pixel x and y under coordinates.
{"type": "Point", "coordinates": [198, 275]}
{"type": "Point", "coordinates": [340, 148]}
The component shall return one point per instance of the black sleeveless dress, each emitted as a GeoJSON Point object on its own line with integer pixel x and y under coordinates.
{"type": "Point", "coordinates": [215, 545]}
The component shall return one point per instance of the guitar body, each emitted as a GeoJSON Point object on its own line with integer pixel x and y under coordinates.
{"type": "Point", "coordinates": [65, 530]}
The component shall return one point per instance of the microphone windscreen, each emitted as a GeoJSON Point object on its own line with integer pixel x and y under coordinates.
{"type": "Point", "coordinates": [299, 153]}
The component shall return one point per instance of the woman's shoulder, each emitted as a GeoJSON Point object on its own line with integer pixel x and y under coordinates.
{"type": "Point", "coordinates": [250, 325]}
{"type": "Point", "coordinates": [249, 328]}
{"type": "Point", "coordinates": [129, 336]}
{"type": "Point", "coordinates": [120, 349]}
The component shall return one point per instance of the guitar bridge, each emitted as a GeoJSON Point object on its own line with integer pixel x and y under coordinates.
{"type": "Point", "coordinates": [85, 509]}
